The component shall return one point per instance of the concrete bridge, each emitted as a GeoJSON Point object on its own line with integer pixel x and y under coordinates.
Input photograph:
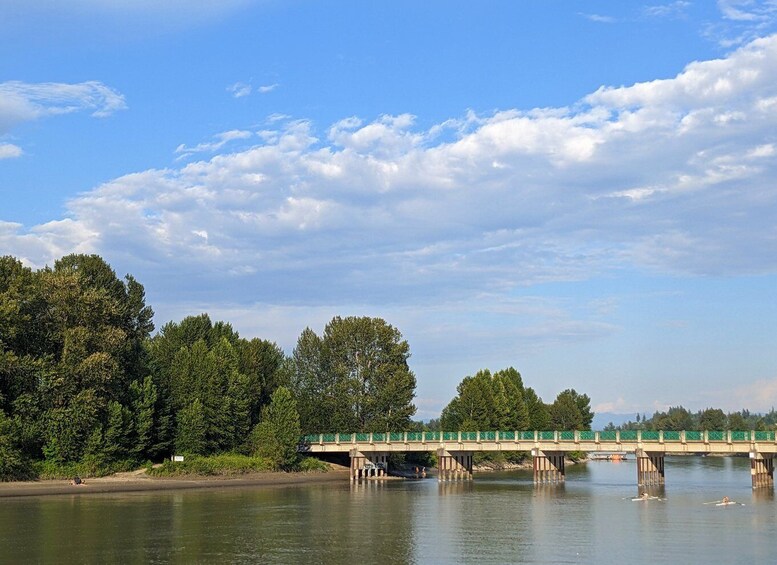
{"type": "Point", "coordinates": [369, 451]}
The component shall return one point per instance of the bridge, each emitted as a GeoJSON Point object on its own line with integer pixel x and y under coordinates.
{"type": "Point", "coordinates": [369, 451]}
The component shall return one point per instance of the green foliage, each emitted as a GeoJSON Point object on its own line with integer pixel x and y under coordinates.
{"type": "Point", "coordinates": [312, 465]}
{"type": "Point", "coordinates": [276, 437]}
{"type": "Point", "coordinates": [13, 465]}
{"type": "Point", "coordinates": [224, 464]}
{"type": "Point", "coordinates": [356, 377]}
{"type": "Point", "coordinates": [571, 411]}
{"type": "Point", "coordinates": [491, 402]}
{"type": "Point", "coordinates": [191, 437]}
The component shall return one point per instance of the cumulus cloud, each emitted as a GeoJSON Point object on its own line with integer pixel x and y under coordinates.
{"type": "Point", "coordinates": [672, 175]}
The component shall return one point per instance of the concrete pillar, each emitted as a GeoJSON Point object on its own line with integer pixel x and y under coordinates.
{"type": "Point", "coordinates": [357, 464]}
{"type": "Point", "coordinates": [650, 468]}
{"type": "Point", "coordinates": [454, 465]}
{"type": "Point", "coordinates": [548, 466]}
{"type": "Point", "coordinates": [762, 469]}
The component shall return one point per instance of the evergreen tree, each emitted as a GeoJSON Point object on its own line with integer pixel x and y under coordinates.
{"type": "Point", "coordinates": [277, 435]}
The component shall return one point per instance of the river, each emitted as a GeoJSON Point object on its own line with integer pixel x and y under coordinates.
{"type": "Point", "coordinates": [497, 518]}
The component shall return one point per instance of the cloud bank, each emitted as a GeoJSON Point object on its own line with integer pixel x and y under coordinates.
{"type": "Point", "coordinates": [672, 175]}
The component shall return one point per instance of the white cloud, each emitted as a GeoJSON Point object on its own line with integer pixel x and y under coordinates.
{"type": "Point", "coordinates": [267, 88]}
{"type": "Point", "coordinates": [675, 9]}
{"type": "Point", "coordinates": [23, 102]}
{"type": "Point", "coordinates": [220, 140]}
{"type": "Point", "coordinates": [240, 89]}
{"type": "Point", "coordinates": [600, 18]}
{"type": "Point", "coordinates": [673, 176]}
{"type": "Point", "coordinates": [10, 151]}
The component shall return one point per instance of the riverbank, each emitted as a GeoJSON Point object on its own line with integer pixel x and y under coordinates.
{"type": "Point", "coordinates": [139, 481]}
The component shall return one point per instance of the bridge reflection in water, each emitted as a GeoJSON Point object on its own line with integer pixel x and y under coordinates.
{"type": "Point", "coordinates": [369, 451]}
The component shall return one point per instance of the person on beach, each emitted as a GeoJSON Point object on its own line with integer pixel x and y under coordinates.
{"type": "Point", "coordinates": [726, 500]}
{"type": "Point", "coordinates": [644, 495]}
{"type": "Point", "coordinates": [76, 481]}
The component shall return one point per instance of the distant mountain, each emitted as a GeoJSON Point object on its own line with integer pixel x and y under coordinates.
{"type": "Point", "coordinates": [601, 419]}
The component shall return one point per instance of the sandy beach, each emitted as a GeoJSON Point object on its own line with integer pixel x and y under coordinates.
{"type": "Point", "coordinates": [139, 481]}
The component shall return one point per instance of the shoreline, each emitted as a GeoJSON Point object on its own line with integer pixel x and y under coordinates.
{"type": "Point", "coordinates": [140, 482]}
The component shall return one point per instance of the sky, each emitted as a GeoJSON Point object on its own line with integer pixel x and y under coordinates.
{"type": "Point", "coordinates": [585, 191]}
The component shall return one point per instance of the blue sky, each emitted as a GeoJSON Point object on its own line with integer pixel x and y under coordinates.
{"type": "Point", "coordinates": [585, 191]}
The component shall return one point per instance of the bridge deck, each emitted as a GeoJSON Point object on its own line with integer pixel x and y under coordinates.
{"type": "Point", "coordinates": [668, 442]}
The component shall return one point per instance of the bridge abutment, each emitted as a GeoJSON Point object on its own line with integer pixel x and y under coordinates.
{"type": "Point", "coordinates": [454, 465]}
{"type": "Point", "coordinates": [366, 466]}
{"type": "Point", "coordinates": [762, 469]}
{"type": "Point", "coordinates": [548, 466]}
{"type": "Point", "coordinates": [650, 468]}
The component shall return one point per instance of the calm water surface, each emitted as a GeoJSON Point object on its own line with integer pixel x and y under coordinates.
{"type": "Point", "coordinates": [497, 518]}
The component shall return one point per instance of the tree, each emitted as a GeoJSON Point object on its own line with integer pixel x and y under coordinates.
{"type": "Point", "coordinates": [355, 378]}
{"type": "Point", "coordinates": [712, 419]}
{"type": "Point", "coordinates": [13, 466]}
{"type": "Point", "coordinates": [565, 413]}
{"type": "Point", "coordinates": [277, 435]}
{"type": "Point", "coordinates": [191, 436]}
{"type": "Point", "coordinates": [676, 418]}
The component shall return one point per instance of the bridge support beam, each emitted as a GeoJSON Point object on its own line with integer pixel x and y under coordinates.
{"type": "Point", "coordinates": [650, 468]}
{"type": "Point", "coordinates": [454, 465]}
{"type": "Point", "coordinates": [548, 466]}
{"type": "Point", "coordinates": [371, 465]}
{"type": "Point", "coordinates": [762, 469]}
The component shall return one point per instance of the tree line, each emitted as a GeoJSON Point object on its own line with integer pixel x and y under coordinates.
{"type": "Point", "coordinates": [677, 418]}
{"type": "Point", "coordinates": [84, 382]}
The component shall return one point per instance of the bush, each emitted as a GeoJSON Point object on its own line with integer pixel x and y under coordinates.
{"type": "Point", "coordinates": [226, 464]}
{"type": "Point", "coordinates": [311, 464]}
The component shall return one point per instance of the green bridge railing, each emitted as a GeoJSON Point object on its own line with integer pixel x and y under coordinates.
{"type": "Point", "coordinates": [578, 436]}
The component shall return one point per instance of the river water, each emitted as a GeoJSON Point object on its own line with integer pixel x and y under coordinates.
{"type": "Point", "coordinates": [497, 518]}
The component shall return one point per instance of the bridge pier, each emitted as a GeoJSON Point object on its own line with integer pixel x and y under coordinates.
{"type": "Point", "coordinates": [372, 465]}
{"type": "Point", "coordinates": [454, 465]}
{"type": "Point", "coordinates": [650, 468]}
{"type": "Point", "coordinates": [548, 466]}
{"type": "Point", "coordinates": [762, 469]}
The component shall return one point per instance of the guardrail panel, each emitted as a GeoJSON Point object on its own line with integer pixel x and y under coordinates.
{"type": "Point", "coordinates": [693, 435]}
{"type": "Point", "coordinates": [671, 436]}
{"type": "Point", "coordinates": [628, 435]}
{"type": "Point", "coordinates": [587, 435]}
{"type": "Point", "coordinates": [607, 435]}
{"type": "Point", "coordinates": [649, 435]}
{"type": "Point", "coordinates": [740, 436]}
{"type": "Point", "coordinates": [764, 436]}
